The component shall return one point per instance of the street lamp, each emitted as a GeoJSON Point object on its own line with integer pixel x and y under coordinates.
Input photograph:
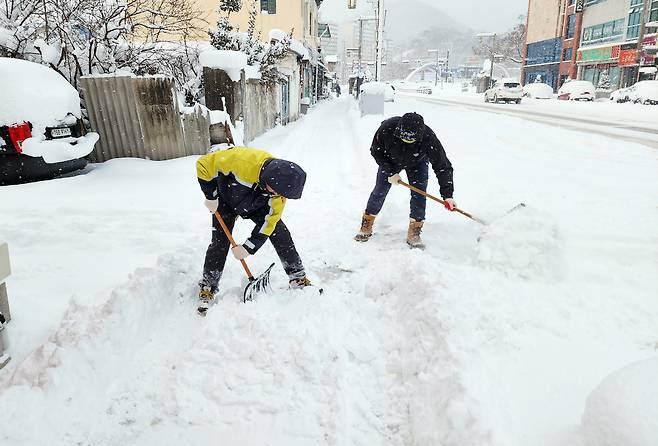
{"type": "Point", "coordinates": [491, 53]}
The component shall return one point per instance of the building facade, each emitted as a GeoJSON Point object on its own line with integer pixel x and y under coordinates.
{"type": "Point", "coordinates": [571, 12]}
{"type": "Point", "coordinates": [543, 49]}
{"type": "Point", "coordinates": [613, 40]}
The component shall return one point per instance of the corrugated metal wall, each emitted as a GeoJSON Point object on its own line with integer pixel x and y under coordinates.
{"type": "Point", "coordinates": [139, 117]}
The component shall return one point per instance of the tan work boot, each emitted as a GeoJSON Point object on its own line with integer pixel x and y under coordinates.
{"type": "Point", "coordinates": [302, 282]}
{"type": "Point", "coordinates": [366, 228]}
{"type": "Point", "coordinates": [413, 234]}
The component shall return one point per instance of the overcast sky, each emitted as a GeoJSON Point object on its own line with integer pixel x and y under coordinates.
{"type": "Point", "coordinates": [496, 15]}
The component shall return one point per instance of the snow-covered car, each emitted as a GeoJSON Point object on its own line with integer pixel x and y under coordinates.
{"type": "Point", "coordinates": [41, 131]}
{"type": "Point", "coordinates": [643, 92]}
{"type": "Point", "coordinates": [576, 91]}
{"type": "Point", "coordinates": [618, 95]}
{"type": "Point", "coordinates": [505, 90]}
{"type": "Point", "coordinates": [538, 90]}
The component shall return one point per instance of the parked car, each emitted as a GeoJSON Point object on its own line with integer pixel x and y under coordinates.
{"type": "Point", "coordinates": [643, 92]}
{"type": "Point", "coordinates": [618, 95]}
{"type": "Point", "coordinates": [538, 90]}
{"type": "Point", "coordinates": [576, 91]}
{"type": "Point", "coordinates": [506, 90]}
{"type": "Point", "coordinates": [41, 131]}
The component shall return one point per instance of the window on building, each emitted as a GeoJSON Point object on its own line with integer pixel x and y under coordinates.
{"type": "Point", "coordinates": [653, 17]}
{"type": "Point", "coordinates": [567, 54]}
{"type": "Point", "coordinates": [604, 32]}
{"type": "Point", "coordinates": [571, 26]}
{"type": "Point", "coordinates": [634, 18]}
{"type": "Point", "coordinates": [545, 52]}
{"type": "Point", "coordinates": [268, 6]}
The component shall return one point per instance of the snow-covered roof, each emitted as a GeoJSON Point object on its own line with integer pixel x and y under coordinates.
{"type": "Point", "coordinates": [35, 93]}
{"type": "Point", "coordinates": [232, 62]}
{"type": "Point", "coordinates": [277, 34]}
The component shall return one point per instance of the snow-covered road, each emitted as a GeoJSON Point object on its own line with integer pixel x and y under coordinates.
{"type": "Point", "coordinates": [490, 343]}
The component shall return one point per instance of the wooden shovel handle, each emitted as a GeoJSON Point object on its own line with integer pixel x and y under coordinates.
{"type": "Point", "coordinates": [233, 244]}
{"type": "Point", "coordinates": [432, 197]}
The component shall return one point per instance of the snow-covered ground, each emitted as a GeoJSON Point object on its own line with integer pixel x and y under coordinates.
{"type": "Point", "coordinates": [496, 342]}
{"type": "Point", "coordinates": [604, 111]}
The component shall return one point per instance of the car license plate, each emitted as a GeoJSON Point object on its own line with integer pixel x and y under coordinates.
{"type": "Point", "coordinates": [60, 132]}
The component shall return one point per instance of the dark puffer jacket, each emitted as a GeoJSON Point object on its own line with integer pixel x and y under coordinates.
{"type": "Point", "coordinates": [393, 155]}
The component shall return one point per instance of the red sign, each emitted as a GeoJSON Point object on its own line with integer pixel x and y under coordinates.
{"type": "Point", "coordinates": [615, 52]}
{"type": "Point", "coordinates": [627, 57]}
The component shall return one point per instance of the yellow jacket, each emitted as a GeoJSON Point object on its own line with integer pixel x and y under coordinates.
{"type": "Point", "coordinates": [233, 176]}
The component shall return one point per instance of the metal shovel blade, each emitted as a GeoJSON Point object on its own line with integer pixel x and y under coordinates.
{"type": "Point", "coordinates": [260, 284]}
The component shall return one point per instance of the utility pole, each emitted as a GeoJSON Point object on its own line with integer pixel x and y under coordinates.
{"type": "Point", "coordinates": [380, 39]}
{"type": "Point", "coordinates": [360, 43]}
{"type": "Point", "coordinates": [493, 46]}
{"type": "Point", "coordinates": [436, 68]}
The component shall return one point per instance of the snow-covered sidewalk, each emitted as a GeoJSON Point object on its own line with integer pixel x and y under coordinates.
{"type": "Point", "coordinates": [497, 342]}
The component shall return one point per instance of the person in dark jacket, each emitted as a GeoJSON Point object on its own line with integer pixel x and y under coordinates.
{"type": "Point", "coordinates": [252, 184]}
{"type": "Point", "coordinates": [406, 143]}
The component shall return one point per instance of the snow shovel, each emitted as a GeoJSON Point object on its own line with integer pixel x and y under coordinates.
{"type": "Point", "coordinates": [431, 197]}
{"type": "Point", "coordinates": [260, 284]}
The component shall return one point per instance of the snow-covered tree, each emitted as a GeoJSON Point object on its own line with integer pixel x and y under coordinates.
{"type": "Point", "coordinates": [510, 44]}
{"type": "Point", "coordinates": [265, 56]}
{"type": "Point", "coordinates": [229, 6]}
{"type": "Point", "coordinates": [604, 81]}
{"type": "Point", "coordinates": [78, 37]}
{"type": "Point", "coordinates": [276, 52]}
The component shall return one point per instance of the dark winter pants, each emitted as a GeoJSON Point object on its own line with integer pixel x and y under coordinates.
{"type": "Point", "coordinates": [219, 246]}
{"type": "Point", "coordinates": [418, 177]}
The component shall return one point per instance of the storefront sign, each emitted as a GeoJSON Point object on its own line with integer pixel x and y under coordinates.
{"type": "Point", "coordinates": [598, 54]}
{"type": "Point", "coordinates": [627, 58]}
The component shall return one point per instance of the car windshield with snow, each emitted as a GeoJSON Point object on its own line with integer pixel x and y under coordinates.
{"type": "Point", "coordinates": [42, 134]}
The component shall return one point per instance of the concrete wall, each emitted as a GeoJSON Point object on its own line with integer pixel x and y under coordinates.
{"type": "Point", "coordinates": [139, 117]}
{"type": "Point", "coordinates": [606, 12]}
{"type": "Point", "coordinates": [543, 20]}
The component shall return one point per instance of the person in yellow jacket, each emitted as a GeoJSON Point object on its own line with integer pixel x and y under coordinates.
{"type": "Point", "coordinates": [252, 184]}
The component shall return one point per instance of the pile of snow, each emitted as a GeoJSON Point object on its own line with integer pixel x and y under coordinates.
{"type": "Point", "coordinates": [59, 150]}
{"type": "Point", "coordinates": [622, 410]}
{"type": "Point", "coordinates": [35, 93]}
{"type": "Point", "coordinates": [232, 62]}
{"type": "Point", "coordinates": [525, 242]}
{"type": "Point", "coordinates": [374, 88]}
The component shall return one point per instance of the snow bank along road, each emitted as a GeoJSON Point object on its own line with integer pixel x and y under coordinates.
{"type": "Point", "coordinates": [626, 122]}
{"type": "Point", "coordinates": [465, 343]}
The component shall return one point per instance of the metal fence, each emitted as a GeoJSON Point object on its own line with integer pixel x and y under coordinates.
{"type": "Point", "coordinates": [139, 117]}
